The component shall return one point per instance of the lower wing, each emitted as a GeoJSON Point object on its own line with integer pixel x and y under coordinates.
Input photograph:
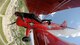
{"type": "Point", "coordinates": [45, 38]}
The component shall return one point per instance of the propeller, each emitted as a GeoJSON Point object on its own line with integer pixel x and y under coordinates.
{"type": "Point", "coordinates": [20, 14]}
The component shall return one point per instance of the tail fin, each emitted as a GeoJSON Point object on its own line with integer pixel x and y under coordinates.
{"type": "Point", "coordinates": [64, 24]}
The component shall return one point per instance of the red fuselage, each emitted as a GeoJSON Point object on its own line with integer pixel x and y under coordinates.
{"type": "Point", "coordinates": [42, 37]}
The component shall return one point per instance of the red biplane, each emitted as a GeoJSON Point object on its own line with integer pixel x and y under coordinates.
{"type": "Point", "coordinates": [40, 27]}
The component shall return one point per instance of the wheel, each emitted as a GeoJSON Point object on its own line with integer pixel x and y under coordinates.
{"type": "Point", "coordinates": [26, 39]}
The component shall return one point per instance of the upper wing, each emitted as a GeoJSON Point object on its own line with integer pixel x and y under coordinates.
{"type": "Point", "coordinates": [49, 6]}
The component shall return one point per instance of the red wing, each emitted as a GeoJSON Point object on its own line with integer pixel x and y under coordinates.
{"type": "Point", "coordinates": [49, 6]}
{"type": "Point", "coordinates": [45, 38]}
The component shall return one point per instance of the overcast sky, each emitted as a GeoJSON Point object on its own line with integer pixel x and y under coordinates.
{"type": "Point", "coordinates": [72, 17]}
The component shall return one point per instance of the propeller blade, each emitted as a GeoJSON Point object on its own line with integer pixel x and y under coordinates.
{"type": "Point", "coordinates": [12, 23]}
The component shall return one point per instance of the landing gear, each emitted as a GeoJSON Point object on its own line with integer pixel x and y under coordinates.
{"type": "Point", "coordinates": [26, 39]}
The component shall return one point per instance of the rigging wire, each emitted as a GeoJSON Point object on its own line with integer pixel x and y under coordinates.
{"type": "Point", "coordinates": [60, 5]}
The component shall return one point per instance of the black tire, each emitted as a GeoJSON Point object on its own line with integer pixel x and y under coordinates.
{"type": "Point", "coordinates": [26, 39]}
